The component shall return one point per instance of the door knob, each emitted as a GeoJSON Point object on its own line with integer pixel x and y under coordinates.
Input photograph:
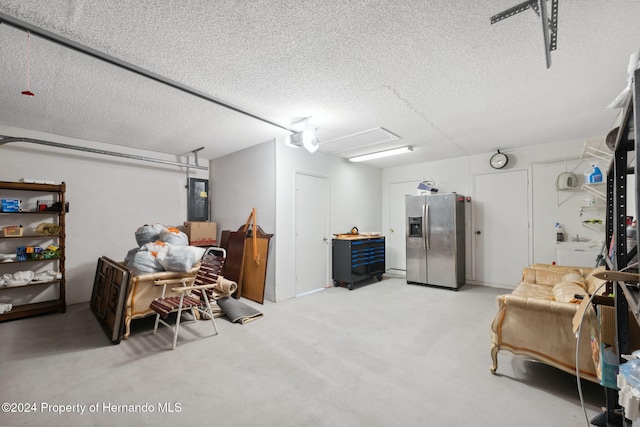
{"type": "Point", "coordinates": [478, 232]}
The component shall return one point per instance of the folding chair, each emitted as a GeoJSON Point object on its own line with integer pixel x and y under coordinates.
{"type": "Point", "coordinates": [194, 295]}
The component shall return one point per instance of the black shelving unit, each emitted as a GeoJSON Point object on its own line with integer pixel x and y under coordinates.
{"type": "Point", "coordinates": [619, 256]}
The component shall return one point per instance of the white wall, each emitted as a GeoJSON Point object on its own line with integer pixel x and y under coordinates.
{"type": "Point", "coordinates": [562, 207]}
{"type": "Point", "coordinates": [543, 164]}
{"type": "Point", "coordinates": [109, 197]}
{"type": "Point", "coordinates": [263, 177]}
{"type": "Point", "coordinates": [240, 182]}
{"type": "Point", "coordinates": [453, 175]}
{"type": "Point", "coordinates": [355, 200]}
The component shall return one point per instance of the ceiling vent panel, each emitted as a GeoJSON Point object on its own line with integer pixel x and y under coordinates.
{"type": "Point", "coordinates": [358, 140]}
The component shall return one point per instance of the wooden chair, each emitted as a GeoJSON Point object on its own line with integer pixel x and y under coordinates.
{"type": "Point", "coordinates": [194, 295]}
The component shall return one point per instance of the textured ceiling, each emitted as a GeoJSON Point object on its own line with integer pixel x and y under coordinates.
{"type": "Point", "coordinates": [435, 73]}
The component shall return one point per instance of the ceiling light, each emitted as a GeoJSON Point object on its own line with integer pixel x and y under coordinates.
{"type": "Point", "coordinates": [310, 140]}
{"type": "Point", "coordinates": [380, 154]}
{"type": "Point", "coordinates": [294, 140]}
{"type": "Point", "coordinates": [305, 137]}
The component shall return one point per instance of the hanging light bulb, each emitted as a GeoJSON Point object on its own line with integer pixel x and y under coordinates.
{"type": "Point", "coordinates": [28, 91]}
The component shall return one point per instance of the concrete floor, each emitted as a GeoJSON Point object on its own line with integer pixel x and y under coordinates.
{"type": "Point", "coordinates": [384, 354]}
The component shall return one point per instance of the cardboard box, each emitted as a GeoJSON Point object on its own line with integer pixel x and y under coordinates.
{"type": "Point", "coordinates": [603, 340]}
{"type": "Point", "coordinates": [201, 233]}
{"type": "Point", "coordinates": [608, 327]}
{"type": "Point", "coordinates": [12, 231]}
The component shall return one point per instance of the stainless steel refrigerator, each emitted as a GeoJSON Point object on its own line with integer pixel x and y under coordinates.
{"type": "Point", "coordinates": [435, 240]}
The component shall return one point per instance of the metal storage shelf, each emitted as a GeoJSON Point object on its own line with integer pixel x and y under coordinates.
{"type": "Point", "coordinates": [589, 151]}
{"type": "Point", "coordinates": [26, 310]}
{"type": "Point", "coordinates": [31, 213]}
{"type": "Point", "coordinates": [49, 282]}
{"type": "Point", "coordinates": [29, 260]}
{"type": "Point", "coordinates": [626, 296]}
{"type": "Point", "coordinates": [7, 189]}
{"type": "Point", "coordinates": [599, 190]}
{"type": "Point", "coordinates": [33, 236]}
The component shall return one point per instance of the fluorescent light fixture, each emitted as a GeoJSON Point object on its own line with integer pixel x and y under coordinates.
{"type": "Point", "coordinates": [380, 154]}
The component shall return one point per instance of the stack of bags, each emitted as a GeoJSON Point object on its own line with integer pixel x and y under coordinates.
{"type": "Point", "coordinates": [162, 248]}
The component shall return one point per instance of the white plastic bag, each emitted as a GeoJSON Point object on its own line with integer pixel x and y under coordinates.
{"type": "Point", "coordinates": [154, 248]}
{"type": "Point", "coordinates": [148, 233]}
{"type": "Point", "coordinates": [130, 255]}
{"type": "Point", "coordinates": [144, 262]}
{"type": "Point", "coordinates": [173, 236]}
{"type": "Point", "coordinates": [178, 258]}
{"type": "Point", "coordinates": [16, 279]}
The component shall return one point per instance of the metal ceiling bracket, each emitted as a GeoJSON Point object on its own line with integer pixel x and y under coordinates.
{"type": "Point", "coordinates": [188, 170]}
{"type": "Point", "coordinates": [8, 139]}
{"type": "Point", "coordinates": [545, 30]}
{"type": "Point", "coordinates": [515, 10]}
{"type": "Point", "coordinates": [549, 25]}
{"type": "Point", "coordinates": [553, 25]}
{"type": "Point", "coordinates": [195, 154]}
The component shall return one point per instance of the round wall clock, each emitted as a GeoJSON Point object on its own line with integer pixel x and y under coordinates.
{"type": "Point", "coordinates": [499, 160]}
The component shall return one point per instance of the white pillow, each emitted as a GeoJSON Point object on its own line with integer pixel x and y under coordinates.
{"type": "Point", "coordinates": [566, 292]}
{"type": "Point", "coordinates": [575, 278]}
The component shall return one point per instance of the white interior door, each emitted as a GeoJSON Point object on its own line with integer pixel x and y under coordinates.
{"type": "Point", "coordinates": [501, 229]}
{"type": "Point", "coordinates": [312, 242]}
{"type": "Point", "coordinates": [396, 248]}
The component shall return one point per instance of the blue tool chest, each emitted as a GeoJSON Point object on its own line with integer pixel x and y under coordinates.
{"type": "Point", "coordinates": [356, 259]}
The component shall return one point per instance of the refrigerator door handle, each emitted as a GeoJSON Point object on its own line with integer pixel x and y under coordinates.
{"type": "Point", "coordinates": [407, 232]}
{"type": "Point", "coordinates": [425, 226]}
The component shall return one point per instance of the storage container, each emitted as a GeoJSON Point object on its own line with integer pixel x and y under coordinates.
{"type": "Point", "coordinates": [593, 175]}
{"type": "Point", "coordinates": [201, 233]}
{"type": "Point", "coordinates": [11, 205]}
{"type": "Point", "coordinates": [12, 231]}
